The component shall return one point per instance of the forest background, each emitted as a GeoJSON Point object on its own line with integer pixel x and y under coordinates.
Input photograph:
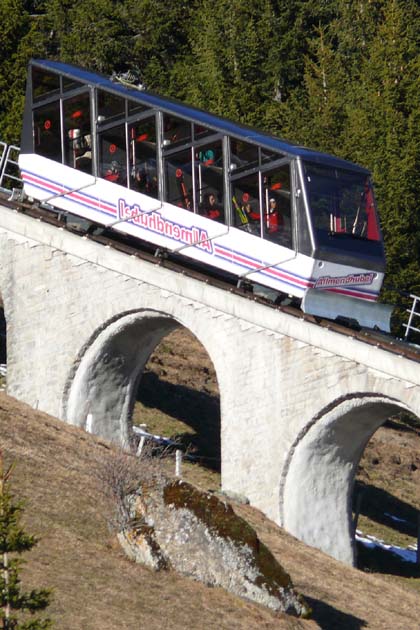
{"type": "Point", "coordinates": [341, 76]}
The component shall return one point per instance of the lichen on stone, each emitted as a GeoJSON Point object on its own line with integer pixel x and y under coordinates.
{"type": "Point", "coordinates": [176, 525]}
{"type": "Point", "coordinates": [221, 518]}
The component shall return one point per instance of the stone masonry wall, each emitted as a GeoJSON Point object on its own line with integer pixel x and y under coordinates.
{"type": "Point", "coordinates": [84, 318]}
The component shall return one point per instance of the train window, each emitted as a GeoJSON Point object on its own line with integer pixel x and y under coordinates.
{"type": "Point", "coordinates": [242, 155]}
{"type": "Point", "coordinates": [110, 107]}
{"type": "Point", "coordinates": [47, 131]}
{"type": "Point", "coordinates": [341, 203]}
{"type": "Point", "coordinates": [201, 132]}
{"type": "Point", "coordinates": [270, 156]}
{"type": "Point", "coordinates": [71, 84]}
{"type": "Point", "coordinates": [208, 180]}
{"type": "Point", "coordinates": [246, 204]}
{"type": "Point", "coordinates": [178, 179]}
{"type": "Point", "coordinates": [44, 84]}
{"type": "Point", "coordinates": [302, 229]}
{"type": "Point", "coordinates": [175, 130]}
{"type": "Point", "coordinates": [113, 155]}
{"type": "Point", "coordinates": [276, 199]}
{"type": "Point", "coordinates": [77, 132]}
{"type": "Point", "coordinates": [135, 107]}
{"type": "Point", "coordinates": [143, 159]}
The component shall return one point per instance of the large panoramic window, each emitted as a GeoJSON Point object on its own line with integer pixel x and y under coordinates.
{"type": "Point", "coordinates": [194, 177]}
{"type": "Point", "coordinates": [110, 107]}
{"type": "Point", "coordinates": [47, 131]}
{"type": "Point", "coordinates": [277, 209]}
{"type": "Point", "coordinates": [246, 204]}
{"type": "Point", "coordinates": [77, 132]}
{"type": "Point", "coordinates": [143, 157]}
{"type": "Point", "coordinates": [341, 203]}
{"type": "Point", "coordinates": [261, 204]}
{"type": "Point", "coordinates": [208, 180]}
{"type": "Point", "coordinates": [113, 155]}
{"type": "Point", "coordinates": [175, 131]}
{"type": "Point", "coordinates": [44, 84]}
{"type": "Point", "coordinates": [243, 155]}
{"type": "Point", "coordinates": [178, 179]}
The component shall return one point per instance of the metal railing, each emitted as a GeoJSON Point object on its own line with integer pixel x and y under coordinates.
{"type": "Point", "coordinates": [10, 178]}
{"type": "Point", "coordinates": [3, 152]}
{"type": "Point", "coordinates": [414, 312]}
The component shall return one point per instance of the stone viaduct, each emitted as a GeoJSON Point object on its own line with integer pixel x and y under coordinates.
{"type": "Point", "coordinates": [298, 402]}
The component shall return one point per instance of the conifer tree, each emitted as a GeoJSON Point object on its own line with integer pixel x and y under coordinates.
{"type": "Point", "coordinates": [17, 46]}
{"type": "Point", "coordinates": [233, 64]}
{"type": "Point", "coordinates": [315, 113]}
{"type": "Point", "coordinates": [15, 541]}
{"type": "Point", "coordinates": [383, 134]}
{"type": "Point", "coordinates": [158, 32]}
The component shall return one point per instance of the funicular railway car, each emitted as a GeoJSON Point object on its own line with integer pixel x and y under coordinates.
{"type": "Point", "coordinates": [290, 221]}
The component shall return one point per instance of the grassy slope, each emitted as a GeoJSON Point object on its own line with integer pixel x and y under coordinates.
{"type": "Point", "coordinates": [96, 587]}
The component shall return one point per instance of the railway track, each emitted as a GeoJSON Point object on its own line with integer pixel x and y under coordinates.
{"type": "Point", "coordinates": [144, 251]}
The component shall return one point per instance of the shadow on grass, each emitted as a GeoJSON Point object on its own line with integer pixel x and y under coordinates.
{"type": "Point", "coordinates": [329, 617]}
{"type": "Point", "coordinates": [380, 506]}
{"type": "Point", "coordinates": [407, 424]}
{"type": "Point", "coordinates": [379, 560]}
{"type": "Point", "coordinates": [199, 410]}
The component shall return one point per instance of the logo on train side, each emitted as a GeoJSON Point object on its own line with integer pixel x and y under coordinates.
{"type": "Point", "coordinates": [155, 222]}
{"type": "Point", "coordinates": [352, 279]}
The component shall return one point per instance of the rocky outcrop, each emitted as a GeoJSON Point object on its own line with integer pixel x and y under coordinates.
{"type": "Point", "coordinates": [175, 525]}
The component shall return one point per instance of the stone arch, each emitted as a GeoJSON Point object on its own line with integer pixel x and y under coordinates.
{"type": "Point", "coordinates": [318, 482]}
{"type": "Point", "coordinates": [103, 384]}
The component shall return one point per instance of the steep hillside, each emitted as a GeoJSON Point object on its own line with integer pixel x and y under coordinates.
{"type": "Point", "coordinates": [96, 587]}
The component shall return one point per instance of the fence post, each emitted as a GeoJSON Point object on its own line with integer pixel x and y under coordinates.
{"type": "Point", "coordinates": [358, 505]}
{"type": "Point", "coordinates": [140, 446]}
{"type": "Point", "coordinates": [178, 462]}
{"type": "Point", "coordinates": [142, 440]}
{"type": "Point", "coordinates": [89, 422]}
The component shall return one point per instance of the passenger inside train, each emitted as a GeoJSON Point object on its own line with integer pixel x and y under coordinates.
{"type": "Point", "coordinates": [212, 209]}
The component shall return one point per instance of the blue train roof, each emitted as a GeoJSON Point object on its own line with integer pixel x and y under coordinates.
{"type": "Point", "coordinates": [177, 108]}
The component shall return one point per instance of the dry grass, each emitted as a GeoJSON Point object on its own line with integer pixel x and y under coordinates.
{"type": "Point", "coordinates": [96, 587]}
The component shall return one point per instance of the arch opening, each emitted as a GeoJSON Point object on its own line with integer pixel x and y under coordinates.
{"type": "Point", "coordinates": [130, 371]}
{"type": "Point", "coordinates": [178, 397]}
{"type": "Point", "coordinates": [386, 498]}
{"type": "Point", "coordinates": [318, 487]}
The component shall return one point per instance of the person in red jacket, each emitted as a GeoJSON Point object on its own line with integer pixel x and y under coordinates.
{"type": "Point", "coordinates": [273, 218]}
{"type": "Point", "coordinates": [212, 210]}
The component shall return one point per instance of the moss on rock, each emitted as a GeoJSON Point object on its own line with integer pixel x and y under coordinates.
{"type": "Point", "coordinates": [222, 520]}
{"type": "Point", "coordinates": [175, 524]}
